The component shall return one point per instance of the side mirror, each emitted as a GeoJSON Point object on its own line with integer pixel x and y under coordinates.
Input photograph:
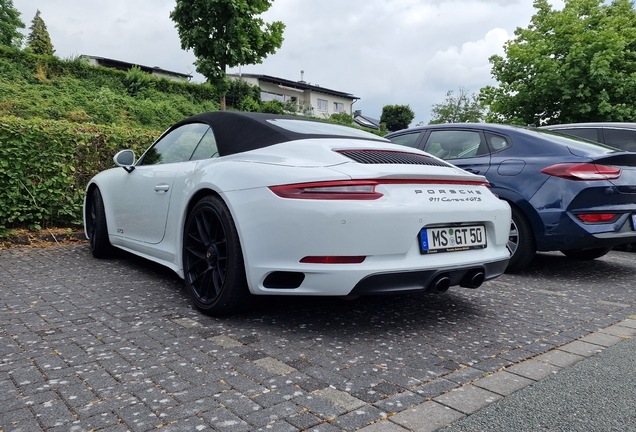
{"type": "Point", "coordinates": [125, 159]}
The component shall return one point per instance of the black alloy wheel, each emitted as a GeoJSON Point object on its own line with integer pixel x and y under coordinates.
{"type": "Point", "coordinates": [213, 260]}
{"type": "Point", "coordinates": [96, 226]}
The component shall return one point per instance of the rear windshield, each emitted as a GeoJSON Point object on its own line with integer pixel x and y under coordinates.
{"type": "Point", "coordinates": [319, 128]}
{"type": "Point", "coordinates": [574, 143]}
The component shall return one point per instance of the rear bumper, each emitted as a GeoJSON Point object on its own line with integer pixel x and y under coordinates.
{"type": "Point", "coordinates": [562, 229]}
{"type": "Point", "coordinates": [277, 233]}
{"type": "Point", "coordinates": [419, 281]}
{"type": "Point", "coordinates": [571, 234]}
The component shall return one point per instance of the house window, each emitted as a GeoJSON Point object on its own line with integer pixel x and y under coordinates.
{"type": "Point", "coordinates": [268, 96]}
{"type": "Point", "coordinates": [338, 107]}
{"type": "Point", "coordinates": [322, 105]}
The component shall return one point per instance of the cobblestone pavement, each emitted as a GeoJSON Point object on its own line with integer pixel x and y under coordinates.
{"type": "Point", "coordinates": [115, 345]}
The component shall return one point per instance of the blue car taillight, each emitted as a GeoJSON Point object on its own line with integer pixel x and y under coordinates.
{"type": "Point", "coordinates": [597, 217]}
{"type": "Point", "coordinates": [583, 171]}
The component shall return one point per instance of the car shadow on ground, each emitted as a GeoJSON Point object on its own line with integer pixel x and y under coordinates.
{"type": "Point", "coordinates": [556, 265]}
{"type": "Point", "coordinates": [375, 315]}
{"type": "Point", "coordinates": [397, 311]}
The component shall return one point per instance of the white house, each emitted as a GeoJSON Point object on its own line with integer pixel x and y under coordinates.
{"type": "Point", "coordinates": [309, 99]}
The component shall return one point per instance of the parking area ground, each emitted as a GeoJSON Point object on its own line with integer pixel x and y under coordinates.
{"type": "Point", "coordinates": [115, 345]}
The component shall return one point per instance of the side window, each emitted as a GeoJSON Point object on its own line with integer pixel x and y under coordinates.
{"type": "Point", "coordinates": [454, 144]}
{"type": "Point", "coordinates": [176, 146]}
{"type": "Point", "coordinates": [206, 148]}
{"type": "Point", "coordinates": [409, 140]}
{"type": "Point", "coordinates": [620, 138]}
{"type": "Point", "coordinates": [587, 133]}
{"type": "Point", "coordinates": [497, 142]}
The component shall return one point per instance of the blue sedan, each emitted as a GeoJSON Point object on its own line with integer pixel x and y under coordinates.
{"type": "Point", "coordinates": [566, 194]}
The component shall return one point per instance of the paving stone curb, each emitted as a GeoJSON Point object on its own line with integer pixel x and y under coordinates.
{"type": "Point", "coordinates": [28, 239]}
{"type": "Point", "coordinates": [460, 402]}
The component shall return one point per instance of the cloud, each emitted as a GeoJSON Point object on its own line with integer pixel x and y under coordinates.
{"type": "Point", "coordinates": [467, 64]}
{"type": "Point", "coordinates": [383, 51]}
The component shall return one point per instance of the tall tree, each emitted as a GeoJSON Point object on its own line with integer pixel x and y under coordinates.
{"type": "Point", "coordinates": [10, 22]}
{"type": "Point", "coordinates": [39, 40]}
{"type": "Point", "coordinates": [465, 107]}
{"type": "Point", "coordinates": [571, 65]}
{"type": "Point", "coordinates": [226, 33]}
{"type": "Point", "coordinates": [396, 117]}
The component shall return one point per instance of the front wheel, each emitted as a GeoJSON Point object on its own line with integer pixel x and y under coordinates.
{"type": "Point", "coordinates": [96, 226]}
{"type": "Point", "coordinates": [520, 241]}
{"type": "Point", "coordinates": [213, 260]}
{"type": "Point", "coordinates": [586, 254]}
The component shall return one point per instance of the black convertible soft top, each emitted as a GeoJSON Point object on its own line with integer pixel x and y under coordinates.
{"type": "Point", "coordinates": [237, 132]}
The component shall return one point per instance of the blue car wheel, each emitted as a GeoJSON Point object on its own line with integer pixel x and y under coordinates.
{"type": "Point", "coordinates": [520, 241]}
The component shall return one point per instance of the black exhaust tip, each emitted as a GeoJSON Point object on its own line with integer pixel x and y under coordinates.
{"type": "Point", "coordinates": [473, 279]}
{"type": "Point", "coordinates": [440, 284]}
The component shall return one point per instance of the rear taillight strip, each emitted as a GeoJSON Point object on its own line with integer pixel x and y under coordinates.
{"type": "Point", "coordinates": [335, 190]}
{"type": "Point", "coordinates": [583, 171]}
{"type": "Point", "coordinates": [356, 189]}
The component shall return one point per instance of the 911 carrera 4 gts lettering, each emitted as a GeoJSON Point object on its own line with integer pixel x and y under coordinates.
{"type": "Point", "coordinates": [447, 199]}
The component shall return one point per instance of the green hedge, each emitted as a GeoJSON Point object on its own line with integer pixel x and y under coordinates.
{"type": "Point", "coordinates": [35, 86]}
{"type": "Point", "coordinates": [52, 67]}
{"type": "Point", "coordinates": [46, 164]}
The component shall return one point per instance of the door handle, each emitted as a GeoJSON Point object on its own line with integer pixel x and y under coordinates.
{"type": "Point", "coordinates": [162, 188]}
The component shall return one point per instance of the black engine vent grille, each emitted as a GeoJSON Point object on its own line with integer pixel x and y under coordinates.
{"type": "Point", "coordinates": [391, 157]}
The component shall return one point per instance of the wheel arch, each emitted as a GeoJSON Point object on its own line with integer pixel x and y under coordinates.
{"type": "Point", "coordinates": [196, 197]}
{"type": "Point", "coordinates": [514, 199]}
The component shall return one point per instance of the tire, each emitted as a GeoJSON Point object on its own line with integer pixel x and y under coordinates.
{"type": "Point", "coordinates": [96, 226]}
{"type": "Point", "coordinates": [212, 259]}
{"type": "Point", "coordinates": [629, 247]}
{"type": "Point", "coordinates": [520, 241]}
{"type": "Point", "coordinates": [586, 254]}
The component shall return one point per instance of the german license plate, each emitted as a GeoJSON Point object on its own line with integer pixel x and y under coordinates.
{"type": "Point", "coordinates": [452, 239]}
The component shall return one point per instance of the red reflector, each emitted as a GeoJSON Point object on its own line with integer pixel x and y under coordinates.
{"type": "Point", "coordinates": [596, 217]}
{"type": "Point", "coordinates": [583, 171]}
{"type": "Point", "coordinates": [333, 259]}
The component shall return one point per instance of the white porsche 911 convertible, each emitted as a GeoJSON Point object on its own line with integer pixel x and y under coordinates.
{"type": "Point", "coordinates": [242, 204]}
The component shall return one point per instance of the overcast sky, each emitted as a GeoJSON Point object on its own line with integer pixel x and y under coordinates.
{"type": "Point", "coordinates": [385, 52]}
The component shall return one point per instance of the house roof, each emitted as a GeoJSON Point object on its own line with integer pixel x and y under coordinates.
{"type": "Point", "coordinates": [366, 121]}
{"type": "Point", "coordinates": [124, 66]}
{"type": "Point", "coordinates": [300, 85]}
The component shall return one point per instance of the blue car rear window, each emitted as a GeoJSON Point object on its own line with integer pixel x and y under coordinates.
{"type": "Point", "coordinates": [574, 143]}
